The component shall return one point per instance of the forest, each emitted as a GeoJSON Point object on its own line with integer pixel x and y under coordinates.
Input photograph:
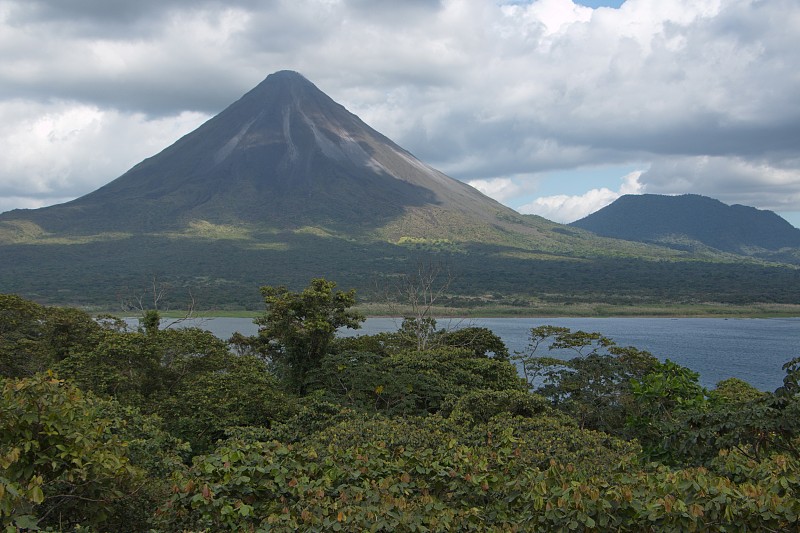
{"type": "Point", "coordinates": [104, 427]}
{"type": "Point", "coordinates": [220, 273]}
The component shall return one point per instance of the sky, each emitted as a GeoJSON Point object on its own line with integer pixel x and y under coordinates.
{"type": "Point", "coordinates": [552, 107]}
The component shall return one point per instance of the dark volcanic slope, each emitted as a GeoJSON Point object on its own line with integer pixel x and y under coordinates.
{"type": "Point", "coordinates": [285, 155]}
{"type": "Point", "coordinates": [656, 218]}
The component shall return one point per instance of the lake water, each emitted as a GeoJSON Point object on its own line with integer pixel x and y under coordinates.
{"type": "Point", "coordinates": [749, 349]}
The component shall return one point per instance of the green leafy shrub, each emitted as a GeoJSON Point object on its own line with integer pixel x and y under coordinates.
{"type": "Point", "coordinates": [481, 405]}
{"type": "Point", "coordinates": [239, 391]}
{"type": "Point", "coordinates": [370, 484]}
{"type": "Point", "coordinates": [60, 462]}
{"type": "Point", "coordinates": [33, 338]}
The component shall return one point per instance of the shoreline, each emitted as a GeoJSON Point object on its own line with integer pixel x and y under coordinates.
{"type": "Point", "coordinates": [595, 310]}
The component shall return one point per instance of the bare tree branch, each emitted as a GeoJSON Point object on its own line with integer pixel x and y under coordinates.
{"type": "Point", "coordinates": [415, 296]}
{"type": "Point", "coordinates": [152, 300]}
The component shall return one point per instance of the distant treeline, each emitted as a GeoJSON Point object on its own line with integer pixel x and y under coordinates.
{"type": "Point", "coordinates": [222, 274]}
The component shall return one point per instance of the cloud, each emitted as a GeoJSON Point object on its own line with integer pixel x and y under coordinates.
{"type": "Point", "coordinates": [476, 89]}
{"type": "Point", "coordinates": [61, 149]}
{"type": "Point", "coordinates": [767, 183]}
{"type": "Point", "coordinates": [501, 189]}
{"type": "Point", "coordinates": [565, 209]}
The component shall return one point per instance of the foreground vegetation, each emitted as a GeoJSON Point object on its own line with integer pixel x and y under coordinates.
{"type": "Point", "coordinates": [107, 429]}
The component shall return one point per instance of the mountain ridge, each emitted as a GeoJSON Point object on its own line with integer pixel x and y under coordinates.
{"type": "Point", "coordinates": [689, 220]}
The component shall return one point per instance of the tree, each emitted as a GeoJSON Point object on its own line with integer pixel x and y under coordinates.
{"type": "Point", "coordinates": [533, 365]}
{"type": "Point", "coordinates": [150, 302]}
{"type": "Point", "coordinates": [417, 292]}
{"type": "Point", "coordinates": [124, 365]}
{"type": "Point", "coordinates": [733, 391]}
{"type": "Point", "coordinates": [663, 398]}
{"type": "Point", "coordinates": [482, 341]}
{"type": "Point", "coordinates": [34, 338]}
{"type": "Point", "coordinates": [680, 425]}
{"type": "Point", "coordinates": [595, 387]}
{"type": "Point", "coordinates": [241, 392]}
{"type": "Point", "coordinates": [297, 328]}
{"type": "Point", "coordinates": [368, 381]}
{"type": "Point", "coordinates": [21, 350]}
{"type": "Point", "coordinates": [444, 372]}
{"type": "Point", "coordinates": [60, 462]}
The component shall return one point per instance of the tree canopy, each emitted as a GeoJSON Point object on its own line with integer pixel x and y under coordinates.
{"type": "Point", "coordinates": [107, 429]}
{"type": "Point", "coordinates": [297, 327]}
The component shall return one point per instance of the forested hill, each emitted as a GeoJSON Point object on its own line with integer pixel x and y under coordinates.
{"type": "Point", "coordinates": [690, 219]}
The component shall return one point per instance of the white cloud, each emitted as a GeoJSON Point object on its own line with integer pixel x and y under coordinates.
{"type": "Point", "coordinates": [768, 184]}
{"type": "Point", "coordinates": [551, 15]}
{"type": "Point", "coordinates": [7, 203]}
{"type": "Point", "coordinates": [501, 189]}
{"type": "Point", "coordinates": [477, 89]}
{"type": "Point", "coordinates": [565, 209]}
{"type": "Point", "coordinates": [63, 149]}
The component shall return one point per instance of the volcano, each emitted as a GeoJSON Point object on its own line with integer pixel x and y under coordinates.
{"type": "Point", "coordinates": [284, 156]}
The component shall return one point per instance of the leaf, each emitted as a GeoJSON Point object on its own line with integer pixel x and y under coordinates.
{"type": "Point", "coordinates": [26, 522]}
{"type": "Point", "coordinates": [36, 494]}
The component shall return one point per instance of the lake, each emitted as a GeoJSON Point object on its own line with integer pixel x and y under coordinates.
{"type": "Point", "coordinates": [749, 349]}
